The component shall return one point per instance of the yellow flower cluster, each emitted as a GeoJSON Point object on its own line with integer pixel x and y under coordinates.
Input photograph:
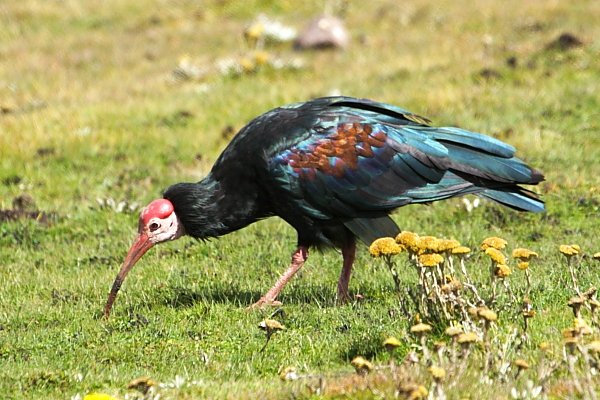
{"type": "Point", "coordinates": [494, 242]}
{"type": "Point", "coordinates": [569, 250]}
{"type": "Point", "coordinates": [98, 396]}
{"type": "Point", "coordinates": [437, 373]}
{"type": "Point", "coordinates": [430, 260]}
{"type": "Point", "coordinates": [467, 337]}
{"type": "Point", "coordinates": [409, 240]}
{"type": "Point", "coordinates": [416, 244]}
{"type": "Point", "coordinates": [461, 251]}
{"type": "Point", "coordinates": [495, 255]}
{"type": "Point", "coordinates": [521, 364]}
{"type": "Point", "coordinates": [448, 245]}
{"type": "Point", "coordinates": [453, 331]}
{"type": "Point", "coordinates": [524, 254]}
{"type": "Point", "coordinates": [502, 271]}
{"type": "Point", "coordinates": [361, 365]}
{"type": "Point", "coordinates": [412, 391]}
{"type": "Point", "coordinates": [386, 246]}
{"type": "Point", "coordinates": [487, 314]}
{"type": "Point", "coordinates": [523, 265]}
{"type": "Point", "coordinates": [391, 343]}
{"type": "Point", "coordinates": [271, 325]}
{"type": "Point", "coordinates": [420, 328]}
{"type": "Point", "coordinates": [428, 244]}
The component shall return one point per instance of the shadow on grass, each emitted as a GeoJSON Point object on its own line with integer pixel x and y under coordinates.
{"type": "Point", "coordinates": [183, 297]}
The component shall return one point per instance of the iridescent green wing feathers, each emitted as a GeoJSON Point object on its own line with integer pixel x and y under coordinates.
{"type": "Point", "coordinates": [361, 159]}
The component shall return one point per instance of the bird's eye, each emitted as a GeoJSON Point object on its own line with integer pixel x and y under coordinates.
{"type": "Point", "coordinates": [154, 226]}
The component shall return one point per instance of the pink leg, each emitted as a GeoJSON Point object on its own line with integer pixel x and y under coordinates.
{"type": "Point", "coordinates": [298, 258]}
{"type": "Point", "coordinates": [348, 253]}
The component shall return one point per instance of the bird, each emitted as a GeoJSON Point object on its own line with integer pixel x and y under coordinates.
{"type": "Point", "coordinates": [333, 168]}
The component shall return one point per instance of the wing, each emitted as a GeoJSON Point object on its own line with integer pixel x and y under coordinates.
{"type": "Point", "coordinates": [359, 160]}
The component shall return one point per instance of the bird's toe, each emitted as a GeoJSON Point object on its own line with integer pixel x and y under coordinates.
{"type": "Point", "coordinates": [262, 303]}
{"type": "Point", "coordinates": [343, 298]}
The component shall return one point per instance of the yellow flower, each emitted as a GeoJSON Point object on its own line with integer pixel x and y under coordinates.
{"type": "Point", "coordinates": [361, 365]}
{"type": "Point", "coordinates": [247, 64]}
{"type": "Point", "coordinates": [467, 337]}
{"type": "Point", "coordinates": [413, 391]}
{"type": "Point", "coordinates": [502, 271]}
{"type": "Point", "coordinates": [523, 265]}
{"type": "Point", "coordinates": [430, 260]}
{"type": "Point", "coordinates": [453, 331]}
{"type": "Point", "coordinates": [391, 343]}
{"type": "Point", "coordinates": [409, 240]}
{"type": "Point", "coordinates": [596, 256]}
{"type": "Point", "coordinates": [99, 396]}
{"type": "Point", "coordinates": [487, 314]}
{"type": "Point", "coordinates": [386, 246]}
{"type": "Point", "coordinates": [524, 254]}
{"type": "Point", "coordinates": [420, 328]}
{"type": "Point", "coordinates": [428, 244]}
{"type": "Point", "coordinates": [461, 251]}
{"type": "Point", "coordinates": [261, 57]}
{"type": "Point", "coordinates": [254, 31]}
{"type": "Point", "coordinates": [437, 373]}
{"type": "Point", "coordinates": [494, 242]}
{"type": "Point", "coordinates": [569, 250]}
{"type": "Point", "coordinates": [271, 325]}
{"type": "Point", "coordinates": [496, 255]}
{"type": "Point", "coordinates": [447, 245]}
{"type": "Point", "coordinates": [521, 364]}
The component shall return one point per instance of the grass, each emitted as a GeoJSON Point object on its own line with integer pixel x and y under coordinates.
{"type": "Point", "coordinates": [90, 110]}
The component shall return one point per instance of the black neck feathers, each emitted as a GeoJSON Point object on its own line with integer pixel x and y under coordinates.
{"type": "Point", "coordinates": [211, 208]}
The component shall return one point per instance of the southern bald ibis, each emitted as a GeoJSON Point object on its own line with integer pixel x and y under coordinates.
{"type": "Point", "coordinates": [334, 168]}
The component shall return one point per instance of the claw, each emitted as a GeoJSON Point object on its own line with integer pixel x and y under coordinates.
{"type": "Point", "coordinates": [262, 303]}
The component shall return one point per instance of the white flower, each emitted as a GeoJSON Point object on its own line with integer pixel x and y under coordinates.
{"type": "Point", "coordinates": [470, 205]}
{"type": "Point", "coordinates": [275, 30]}
{"type": "Point", "coordinates": [177, 383]}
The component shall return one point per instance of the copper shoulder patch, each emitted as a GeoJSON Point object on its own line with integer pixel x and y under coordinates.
{"type": "Point", "coordinates": [337, 151]}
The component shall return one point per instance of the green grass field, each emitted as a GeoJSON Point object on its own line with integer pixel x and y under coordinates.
{"type": "Point", "coordinates": [91, 112]}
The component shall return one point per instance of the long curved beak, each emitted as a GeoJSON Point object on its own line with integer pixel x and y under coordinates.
{"type": "Point", "coordinates": [138, 249]}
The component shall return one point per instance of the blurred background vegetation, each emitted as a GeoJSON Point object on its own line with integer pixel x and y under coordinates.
{"type": "Point", "coordinates": [105, 103]}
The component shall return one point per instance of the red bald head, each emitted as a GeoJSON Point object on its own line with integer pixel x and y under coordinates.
{"type": "Point", "coordinates": [159, 208]}
{"type": "Point", "coordinates": [158, 223]}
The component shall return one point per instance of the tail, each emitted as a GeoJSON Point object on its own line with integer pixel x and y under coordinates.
{"type": "Point", "coordinates": [519, 199]}
{"type": "Point", "coordinates": [484, 157]}
{"type": "Point", "coordinates": [490, 165]}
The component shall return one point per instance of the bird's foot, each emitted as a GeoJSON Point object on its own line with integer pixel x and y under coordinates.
{"type": "Point", "coordinates": [264, 302]}
{"type": "Point", "coordinates": [342, 298]}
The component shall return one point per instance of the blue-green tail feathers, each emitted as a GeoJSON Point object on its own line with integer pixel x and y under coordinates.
{"type": "Point", "coordinates": [522, 200]}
